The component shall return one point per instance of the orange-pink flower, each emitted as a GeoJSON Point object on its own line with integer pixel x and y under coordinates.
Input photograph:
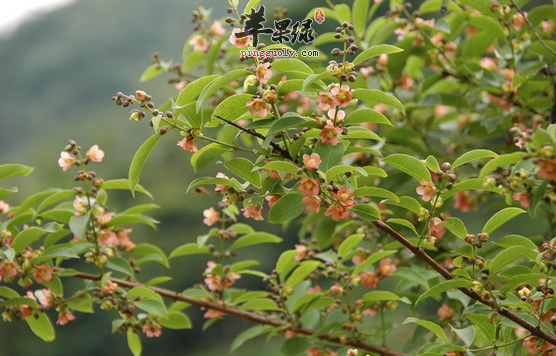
{"type": "Point", "coordinates": [462, 201]}
{"type": "Point", "coordinates": [239, 42]}
{"type": "Point", "coordinates": [95, 154]}
{"type": "Point", "coordinates": [426, 190]}
{"type": "Point", "coordinates": [258, 107]}
{"type": "Point", "coordinates": [3, 206]}
{"type": "Point", "coordinates": [312, 203]}
{"type": "Point", "coordinates": [445, 312]}
{"type": "Point", "coordinates": [8, 268]}
{"type": "Point", "coordinates": [329, 134]}
{"type": "Point", "coordinates": [369, 279]}
{"type": "Point", "coordinates": [211, 216]}
{"type": "Point", "coordinates": [65, 317]}
{"type": "Point", "coordinates": [107, 238]}
{"type": "Point", "coordinates": [199, 43]}
{"type": "Point", "coordinates": [188, 144]}
{"type": "Point", "coordinates": [217, 282]}
{"type": "Point", "coordinates": [123, 239]}
{"type": "Point", "coordinates": [301, 252]}
{"type": "Point", "coordinates": [309, 186]}
{"type": "Point", "coordinates": [344, 197]}
{"type": "Point", "coordinates": [337, 211]}
{"type": "Point", "coordinates": [42, 273]}
{"type": "Point", "coordinates": [342, 95]}
{"type": "Point", "coordinates": [263, 73]}
{"type": "Point", "coordinates": [46, 297]}
{"type": "Point", "coordinates": [272, 199]}
{"type": "Point", "coordinates": [251, 211]}
{"type": "Point", "coordinates": [313, 161]}
{"type": "Point", "coordinates": [523, 199]}
{"type": "Point", "coordinates": [326, 101]}
{"type": "Point", "coordinates": [387, 267]}
{"type": "Point", "coordinates": [220, 187]}
{"type": "Point", "coordinates": [152, 329]}
{"type": "Point", "coordinates": [216, 28]}
{"type": "Point", "coordinates": [436, 228]}
{"type": "Point", "coordinates": [66, 160]}
{"type": "Point", "coordinates": [547, 169]}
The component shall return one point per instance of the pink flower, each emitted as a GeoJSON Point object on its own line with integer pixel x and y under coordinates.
{"type": "Point", "coordinates": [42, 273]}
{"type": "Point", "coordinates": [252, 211]}
{"type": "Point", "coordinates": [313, 161]}
{"type": "Point", "coordinates": [462, 201]}
{"type": "Point", "coordinates": [441, 110]}
{"type": "Point", "coordinates": [426, 189]}
{"type": "Point", "coordinates": [342, 95]}
{"type": "Point", "coordinates": [220, 187]}
{"type": "Point", "coordinates": [337, 211]}
{"type": "Point", "coordinates": [337, 118]}
{"type": "Point", "coordinates": [329, 134]}
{"type": "Point", "coordinates": [9, 269]}
{"type": "Point", "coordinates": [94, 154]}
{"type": "Point", "coordinates": [217, 283]}
{"type": "Point", "coordinates": [239, 42]}
{"type": "Point", "coordinates": [80, 206]}
{"type": "Point", "coordinates": [216, 28]}
{"type": "Point", "coordinates": [312, 203]}
{"type": "Point", "coordinates": [547, 26]}
{"type": "Point", "coordinates": [272, 199]}
{"type": "Point", "coordinates": [326, 101]}
{"type": "Point", "coordinates": [107, 238]}
{"type": "Point", "coordinates": [382, 60]}
{"type": "Point", "coordinates": [488, 63]}
{"type": "Point", "coordinates": [213, 313]}
{"type": "Point", "coordinates": [3, 206]}
{"type": "Point", "coordinates": [110, 287]}
{"type": "Point", "coordinates": [369, 279]}
{"type": "Point", "coordinates": [445, 312]}
{"type": "Point", "coordinates": [123, 239]}
{"type": "Point", "coordinates": [519, 20]}
{"type": "Point", "coordinates": [315, 289]}
{"type": "Point", "coordinates": [66, 160]}
{"type": "Point", "coordinates": [309, 186]}
{"type": "Point", "coordinates": [387, 267]}
{"type": "Point", "coordinates": [406, 82]}
{"type": "Point", "coordinates": [65, 317]}
{"type": "Point", "coordinates": [188, 144]}
{"type": "Point", "coordinates": [344, 197]}
{"type": "Point", "coordinates": [523, 199]}
{"type": "Point", "coordinates": [301, 252]}
{"type": "Point", "coordinates": [263, 73]}
{"type": "Point", "coordinates": [436, 228]}
{"type": "Point", "coordinates": [258, 107]}
{"type": "Point", "coordinates": [199, 43]}
{"type": "Point", "coordinates": [103, 219]}
{"type": "Point", "coordinates": [547, 169]}
{"type": "Point", "coordinates": [46, 297]}
{"type": "Point", "coordinates": [211, 216]}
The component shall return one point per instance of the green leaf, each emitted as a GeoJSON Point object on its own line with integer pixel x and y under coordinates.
{"type": "Point", "coordinates": [243, 168]}
{"type": "Point", "coordinates": [152, 306]}
{"type": "Point", "coordinates": [281, 166]}
{"type": "Point", "coordinates": [472, 156]}
{"type": "Point", "coordinates": [518, 280]}
{"type": "Point", "coordinates": [432, 164]}
{"type": "Point", "coordinates": [5, 192]}
{"type": "Point", "coordinates": [260, 304]}
{"type": "Point", "coordinates": [255, 238]}
{"type": "Point", "coordinates": [379, 296]}
{"type": "Point", "coordinates": [376, 192]}
{"type": "Point", "coordinates": [143, 293]}
{"type": "Point", "coordinates": [457, 227]}
{"type": "Point", "coordinates": [301, 272]}
{"type": "Point", "coordinates": [32, 201]}
{"type": "Point", "coordinates": [436, 329]}
{"type": "Point", "coordinates": [252, 4]}
{"type": "Point", "coordinates": [139, 160]}
{"type": "Point", "coordinates": [213, 181]}
{"type": "Point", "coordinates": [41, 326]}
{"type": "Point", "coordinates": [445, 286]}
{"type": "Point", "coordinates": [403, 222]}
{"type": "Point", "coordinates": [377, 256]}
{"type": "Point", "coordinates": [349, 244]}
{"type": "Point", "coordinates": [482, 322]}
{"type": "Point", "coordinates": [247, 335]}
{"type": "Point", "coordinates": [151, 72]}
{"type": "Point", "coordinates": [291, 64]}
{"type": "Point", "coordinates": [409, 165]}
{"type": "Point", "coordinates": [10, 170]}
{"type": "Point", "coordinates": [219, 83]}
{"type": "Point", "coordinates": [7, 292]}
{"type": "Point", "coordinates": [125, 219]}
{"type": "Point", "coordinates": [501, 161]}
{"type": "Point", "coordinates": [501, 218]}
{"type": "Point", "coordinates": [188, 249]}
{"type": "Point", "coordinates": [408, 203]}
{"type": "Point", "coordinates": [359, 15]}
{"type": "Point", "coordinates": [487, 24]}
{"type": "Point", "coordinates": [504, 258]}
{"type": "Point", "coordinates": [378, 97]}
{"type": "Point", "coordinates": [376, 51]}
{"type": "Point", "coordinates": [78, 224]}
{"type": "Point", "coordinates": [339, 170]}
{"type": "Point", "coordinates": [467, 335]}
{"type": "Point", "coordinates": [295, 346]}
{"type": "Point", "coordinates": [134, 343]}
{"type": "Point", "coordinates": [206, 155]}
{"type": "Point", "coordinates": [366, 212]}
{"type": "Point", "coordinates": [123, 184]}
{"type": "Point", "coordinates": [316, 77]}
{"type": "Point", "coordinates": [120, 265]}
{"type": "Point", "coordinates": [470, 184]}
{"type": "Point", "coordinates": [176, 320]}
{"type": "Point", "coordinates": [284, 123]}
{"type": "Point", "coordinates": [330, 155]}
{"type": "Point", "coordinates": [516, 240]}
{"type": "Point", "coordinates": [230, 109]}
{"type": "Point", "coordinates": [286, 208]}
{"type": "Point", "coordinates": [367, 116]}
{"type": "Point", "coordinates": [26, 237]}
{"type": "Point", "coordinates": [193, 89]}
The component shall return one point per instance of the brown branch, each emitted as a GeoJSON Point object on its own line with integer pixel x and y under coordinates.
{"type": "Point", "coordinates": [541, 41]}
{"type": "Point", "coordinates": [255, 317]}
{"type": "Point", "coordinates": [254, 133]}
{"type": "Point", "coordinates": [467, 291]}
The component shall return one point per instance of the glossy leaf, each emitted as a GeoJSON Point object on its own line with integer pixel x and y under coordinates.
{"type": "Point", "coordinates": [501, 218]}
{"type": "Point", "coordinates": [436, 329]}
{"type": "Point", "coordinates": [330, 155]}
{"type": "Point", "coordinates": [349, 244]}
{"type": "Point", "coordinates": [139, 161]}
{"type": "Point", "coordinates": [207, 154]}
{"type": "Point", "coordinates": [134, 343]}
{"type": "Point", "coordinates": [366, 212]}
{"type": "Point", "coordinates": [123, 184]}
{"type": "Point", "coordinates": [409, 165]}
{"type": "Point", "coordinates": [41, 326]}
{"type": "Point", "coordinates": [286, 208]}
{"type": "Point", "coordinates": [376, 51]}
{"type": "Point", "coordinates": [378, 97]}
{"type": "Point", "coordinates": [472, 156]}
{"type": "Point", "coordinates": [255, 238]}
{"type": "Point", "coordinates": [366, 116]}
{"type": "Point", "coordinates": [11, 170]}
{"type": "Point", "coordinates": [445, 286]}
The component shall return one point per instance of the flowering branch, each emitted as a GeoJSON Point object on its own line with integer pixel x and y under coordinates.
{"type": "Point", "coordinates": [541, 41]}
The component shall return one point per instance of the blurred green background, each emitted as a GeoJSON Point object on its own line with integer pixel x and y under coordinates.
{"type": "Point", "coordinates": [57, 75]}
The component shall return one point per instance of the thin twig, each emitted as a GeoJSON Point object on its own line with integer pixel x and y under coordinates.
{"type": "Point", "coordinates": [256, 317]}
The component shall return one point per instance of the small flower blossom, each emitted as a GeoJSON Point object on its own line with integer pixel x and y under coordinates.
{"type": "Point", "coordinates": [272, 199]}
{"type": "Point", "coordinates": [80, 206]}
{"type": "Point", "coordinates": [105, 218]}
{"type": "Point", "coordinates": [199, 43]}
{"type": "Point", "coordinates": [4, 206]}
{"type": "Point", "coordinates": [519, 20]}
{"type": "Point", "coordinates": [329, 134]}
{"type": "Point", "coordinates": [344, 197]}
{"type": "Point", "coordinates": [65, 317]}
{"type": "Point", "coordinates": [387, 267]}
{"type": "Point", "coordinates": [220, 187]}
{"type": "Point", "coordinates": [252, 211]}
{"type": "Point", "coordinates": [258, 107]}
{"type": "Point", "coordinates": [95, 154]}
{"type": "Point", "coordinates": [313, 161]}
{"type": "Point", "coordinates": [188, 143]}
{"type": "Point", "coordinates": [309, 186]}
{"type": "Point", "coordinates": [445, 312]}
{"type": "Point", "coordinates": [312, 203]}
{"type": "Point", "coordinates": [462, 201]}
{"type": "Point", "coordinates": [217, 283]}
{"type": "Point", "coordinates": [547, 26]}
{"type": "Point", "coordinates": [110, 287]}
{"type": "Point", "coordinates": [239, 42]}
{"type": "Point", "coordinates": [46, 297]}
{"type": "Point", "coordinates": [123, 239]}
{"type": "Point", "coordinates": [522, 198]}
{"type": "Point", "coordinates": [263, 73]}
{"type": "Point", "coordinates": [216, 28]}
{"type": "Point", "coordinates": [211, 216]}
{"type": "Point", "coordinates": [369, 279]}
{"type": "Point", "coordinates": [301, 252]}
{"type": "Point", "coordinates": [9, 269]}
{"type": "Point", "coordinates": [436, 228]}
{"type": "Point", "coordinates": [426, 190]}
{"type": "Point", "coordinates": [548, 169]}
{"type": "Point", "coordinates": [337, 211]}
{"type": "Point", "coordinates": [42, 273]}
{"type": "Point", "coordinates": [326, 101]}
{"type": "Point", "coordinates": [342, 95]}
{"type": "Point", "coordinates": [338, 118]}
{"type": "Point", "coordinates": [66, 160]}
{"type": "Point", "coordinates": [213, 313]}
{"type": "Point", "coordinates": [107, 238]}
{"type": "Point", "coordinates": [152, 329]}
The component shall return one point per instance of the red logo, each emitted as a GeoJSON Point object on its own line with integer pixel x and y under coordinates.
{"type": "Point", "coordinates": [319, 16]}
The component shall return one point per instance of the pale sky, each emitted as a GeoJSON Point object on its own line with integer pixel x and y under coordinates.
{"type": "Point", "coordinates": [14, 12]}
